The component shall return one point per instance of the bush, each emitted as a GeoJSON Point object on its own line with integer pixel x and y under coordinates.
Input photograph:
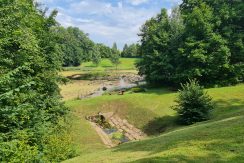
{"type": "Point", "coordinates": [58, 144]}
{"type": "Point", "coordinates": [194, 105]}
{"type": "Point", "coordinates": [18, 150]}
{"type": "Point", "coordinates": [137, 90]}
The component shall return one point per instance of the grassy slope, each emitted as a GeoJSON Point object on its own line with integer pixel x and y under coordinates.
{"type": "Point", "coordinates": [220, 139]}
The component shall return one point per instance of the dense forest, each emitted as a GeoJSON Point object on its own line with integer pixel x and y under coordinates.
{"type": "Point", "coordinates": [75, 47]}
{"type": "Point", "coordinates": [200, 39]}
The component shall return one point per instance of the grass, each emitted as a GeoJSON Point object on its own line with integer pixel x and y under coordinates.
{"type": "Point", "coordinates": [78, 88]}
{"type": "Point", "coordinates": [220, 139]}
{"type": "Point", "coordinates": [106, 65]}
{"type": "Point", "coordinates": [139, 109]}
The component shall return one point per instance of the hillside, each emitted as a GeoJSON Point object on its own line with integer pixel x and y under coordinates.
{"type": "Point", "coordinates": [220, 139]}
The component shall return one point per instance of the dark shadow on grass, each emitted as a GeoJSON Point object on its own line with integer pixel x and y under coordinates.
{"type": "Point", "coordinates": [160, 124]}
{"type": "Point", "coordinates": [214, 135]}
{"type": "Point", "coordinates": [157, 91]}
{"type": "Point", "coordinates": [107, 66]}
{"type": "Point", "coordinates": [227, 108]}
{"type": "Point", "coordinates": [91, 66]}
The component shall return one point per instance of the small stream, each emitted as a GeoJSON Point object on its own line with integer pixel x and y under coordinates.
{"type": "Point", "coordinates": [123, 84]}
{"type": "Point", "coordinates": [111, 131]}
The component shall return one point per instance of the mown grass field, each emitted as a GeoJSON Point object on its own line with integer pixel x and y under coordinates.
{"type": "Point", "coordinates": [220, 139]}
{"type": "Point", "coordinates": [105, 64]}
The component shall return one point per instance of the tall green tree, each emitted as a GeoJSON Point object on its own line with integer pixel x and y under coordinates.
{"type": "Point", "coordinates": [205, 52]}
{"type": "Point", "coordinates": [227, 21]}
{"type": "Point", "coordinates": [96, 56]}
{"type": "Point", "coordinates": [202, 39]}
{"type": "Point", "coordinates": [123, 53]}
{"type": "Point", "coordinates": [115, 56]}
{"type": "Point", "coordinates": [29, 93]}
{"type": "Point", "coordinates": [104, 50]}
{"type": "Point", "coordinates": [159, 38]}
{"type": "Point", "coordinates": [114, 47]}
{"type": "Point", "coordinates": [73, 45]}
{"type": "Point", "coordinates": [130, 51]}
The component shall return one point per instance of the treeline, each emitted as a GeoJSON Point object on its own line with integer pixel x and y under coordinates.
{"type": "Point", "coordinates": [201, 39]}
{"type": "Point", "coordinates": [33, 124]}
{"type": "Point", "coordinates": [131, 51]}
{"type": "Point", "coordinates": [75, 47]}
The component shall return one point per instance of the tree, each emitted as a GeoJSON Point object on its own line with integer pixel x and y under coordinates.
{"type": "Point", "coordinates": [130, 51]}
{"type": "Point", "coordinates": [73, 45]}
{"type": "Point", "coordinates": [114, 47]}
{"type": "Point", "coordinates": [158, 45]}
{"type": "Point", "coordinates": [104, 50]}
{"type": "Point", "coordinates": [227, 19]}
{"type": "Point", "coordinates": [202, 39]}
{"type": "Point", "coordinates": [205, 52]}
{"type": "Point", "coordinates": [30, 102]}
{"type": "Point", "coordinates": [96, 56]}
{"type": "Point", "coordinates": [123, 53]}
{"type": "Point", "coordinates": [114, 58]}
{"type": "Point", "coordinates": [193, 104]}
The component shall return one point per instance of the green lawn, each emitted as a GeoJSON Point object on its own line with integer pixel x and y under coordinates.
{"type": "Point", "coordinates": [105, 64]}
{"type": "Point", "coordinates": [220, 139]}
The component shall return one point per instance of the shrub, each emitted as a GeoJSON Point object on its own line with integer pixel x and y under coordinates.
{"type": "Point", "coordinates": [58, 144]}
{"type": "Point", "coordinates": [18, 150]}
{"type": "Point", "coordinates": [193, 104]}
{"type": "Point", "coordinates": [137, 90]}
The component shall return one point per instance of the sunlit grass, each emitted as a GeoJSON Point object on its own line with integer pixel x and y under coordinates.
{"type": "Point", "coordinates": [105, 65]}
{"type": "Point", "coordinates": [220, 139]}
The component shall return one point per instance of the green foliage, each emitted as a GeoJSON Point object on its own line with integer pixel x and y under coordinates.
{"type": "Point", "coordinates": [29, 95]}
{"type": "Point", "coordinates": [19, 149]}
{"type": "Point", "coordinates": [201, 39]}
{"type": "Point", "coordinates": [115, 56]}
{"type": "Point", "coordinates": [104, 50]}
{"type": "Point", "coordinates": [58, 144]}
{"type": "Point", "coordinates": [193, 104]}
{"type": "Point", "coordinates": [74, 46]}
{"type": "Point", "coordinates": [159, 36]}
{"type": "Point", "coordinates": [131, 51]}
{"type": "Point", "coordinates": [96, 56]}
